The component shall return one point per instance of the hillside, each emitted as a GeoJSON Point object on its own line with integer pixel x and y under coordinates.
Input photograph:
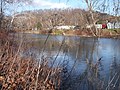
{"type": "Point", "coordinates": [44, 19]}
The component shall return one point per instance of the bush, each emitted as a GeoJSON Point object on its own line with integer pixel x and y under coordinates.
{"type": "Point", "coordinates": [18, 73]}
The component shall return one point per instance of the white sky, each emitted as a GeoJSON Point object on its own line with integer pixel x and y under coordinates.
{"type": "Point", "coordinates": [49, 4]}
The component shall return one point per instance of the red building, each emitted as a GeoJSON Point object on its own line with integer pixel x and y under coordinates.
{"type": "Point", "coordinates": [104, 26]}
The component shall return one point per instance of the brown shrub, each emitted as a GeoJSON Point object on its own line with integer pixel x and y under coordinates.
{"type": "Point", "coordinates": [18, 73]}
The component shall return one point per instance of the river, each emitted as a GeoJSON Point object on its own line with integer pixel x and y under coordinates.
{"type": "Point", "coordinates": [89, 63]}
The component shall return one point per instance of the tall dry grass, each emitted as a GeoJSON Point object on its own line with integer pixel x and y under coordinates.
{"type": "Point", "coordinates": [20, 73]}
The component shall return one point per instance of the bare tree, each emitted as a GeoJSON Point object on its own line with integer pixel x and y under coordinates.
{"type": "Point", "coordinates": [24, 21]}
{"type": "Point", "coordinates": [92, 4]}
{"type": "Point", "coordinates": [5, 4]}
{"type": "Point", "coordinates": [54, 20]}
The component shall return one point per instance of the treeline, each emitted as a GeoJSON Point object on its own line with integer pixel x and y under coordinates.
{"type": "Point", "coordinates": [49, 18]}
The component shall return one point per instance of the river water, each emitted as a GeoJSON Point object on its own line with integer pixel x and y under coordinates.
{"type": "Point", "coordinates": [86, 61]}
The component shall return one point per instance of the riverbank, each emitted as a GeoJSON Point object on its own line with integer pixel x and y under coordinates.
{"type": "Point", "coordinates": [75, 51]}
{"type": "Point", "coordinates": [104, 33]}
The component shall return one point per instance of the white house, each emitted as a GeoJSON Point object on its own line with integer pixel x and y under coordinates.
{"type": "Point", "coordinates": [65, 27]}
{"type": "Point", "coordinates": [113, 25]}
{"type": "Point", "coordinates": [99, 26]}
{"type": "Point", "coordinates": [117, 25]}
{"type": "Point", "coordinates": [89, 26]}
{"type": "Point", "coordinates": [110, 25]}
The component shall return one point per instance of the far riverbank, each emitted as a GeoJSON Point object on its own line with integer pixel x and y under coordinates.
{"type": "Point", "coordinates": [104, 33]}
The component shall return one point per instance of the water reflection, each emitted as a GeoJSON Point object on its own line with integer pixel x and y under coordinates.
{"type": "Point", "coordinates": [85, 60]}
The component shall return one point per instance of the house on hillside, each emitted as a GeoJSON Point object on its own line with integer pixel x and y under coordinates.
{"type": "Point", "coordinates": [117, 25]}
{"type": "Point", "coordinates": [113, 25]}
{"type": "Point", "coordinates": [64, 27]}
{"type": "Point", "coordinates": [110, 25]}
{"type": "Point", "coordinates": [104, 26]}
{"type": "Point", "coordinates": [98, 26]}
{"type": "Point", "coordinates": [89, 25]}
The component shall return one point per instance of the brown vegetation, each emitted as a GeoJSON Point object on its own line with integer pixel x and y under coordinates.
{"type": "Point", "coordinates": [88, 33]}
{"type": "Point", "coordinates": [18, 73]}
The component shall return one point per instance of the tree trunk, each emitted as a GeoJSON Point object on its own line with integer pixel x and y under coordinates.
{"type": "Point", "coordinates": [1, 13]}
